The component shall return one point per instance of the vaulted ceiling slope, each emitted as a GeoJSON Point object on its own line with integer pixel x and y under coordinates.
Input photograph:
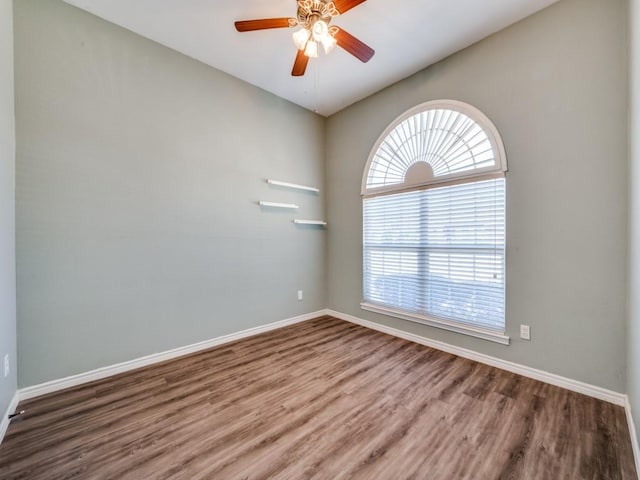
{"type": "Point", "coordinates": [407, 36]}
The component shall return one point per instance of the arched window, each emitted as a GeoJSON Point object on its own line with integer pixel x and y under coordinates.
{"type": "Point", "coordinates": [434, 220]}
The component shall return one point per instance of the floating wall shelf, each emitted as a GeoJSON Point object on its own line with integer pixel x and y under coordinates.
{"type": "Point", "coordinates": [292, 185]}
{"type": "Point", "coordinates": [292, 206]}
{"type": "Point", "coordinates": [299, 221]}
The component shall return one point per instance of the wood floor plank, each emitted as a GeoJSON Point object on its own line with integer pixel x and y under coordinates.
{"type": "Point", "coordinates": [323, 399]}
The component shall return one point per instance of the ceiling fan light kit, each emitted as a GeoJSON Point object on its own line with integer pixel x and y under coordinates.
{"type": "Point", "coordinates": [314, 17]}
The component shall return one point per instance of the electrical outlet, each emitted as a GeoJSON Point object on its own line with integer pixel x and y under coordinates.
{"type": "Point", "coordinates": [6, 365]}
{"type": "Point", "coordinates": [299, 294]}
{"type": "Point", "coordinates": [525, 332]}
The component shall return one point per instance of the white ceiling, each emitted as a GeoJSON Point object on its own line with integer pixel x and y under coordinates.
{"type": "Point", "coordinates": [407, 35]}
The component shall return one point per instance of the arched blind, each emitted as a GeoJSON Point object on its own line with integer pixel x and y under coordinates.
{"type": "Point", "coordinates": [434, 221]}
{"type": "Point", "coordinates": [442, 137]}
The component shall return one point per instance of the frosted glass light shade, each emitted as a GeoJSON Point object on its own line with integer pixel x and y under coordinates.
{"type": "Point", "coordinates": [312, 49]}
{"type": "Point", "coordinates": [320, 30]}
{"type": "Point", "coordinates": [328, 42]}
{"type": "Point", "coordinates": [300, 38]}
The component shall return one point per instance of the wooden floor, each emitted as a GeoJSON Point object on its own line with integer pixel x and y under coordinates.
{"type": "Point", "coordinates": [323, 399]}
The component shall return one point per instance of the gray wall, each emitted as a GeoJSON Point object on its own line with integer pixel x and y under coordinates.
{"type": "Point", "coordinates": [7, 208]}
{"type": "Point", "coordinates": [633, 336]}
{"type": "Point", "coordinates": [138, 170]}
{"type": "Point", "coordinates": [555, 86]}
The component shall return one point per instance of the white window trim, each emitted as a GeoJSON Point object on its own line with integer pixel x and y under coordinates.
{"type": "Point", "coordinates": [437, 322]}
{"type": "Point", "coordinates": [497, 171]}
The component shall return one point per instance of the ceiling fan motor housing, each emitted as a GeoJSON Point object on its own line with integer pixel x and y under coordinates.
{"type": "Point", "coordinates": [310, 11]}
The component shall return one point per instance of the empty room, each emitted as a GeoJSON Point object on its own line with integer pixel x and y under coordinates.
{"type": "Point", "coordinates": [319, 239]}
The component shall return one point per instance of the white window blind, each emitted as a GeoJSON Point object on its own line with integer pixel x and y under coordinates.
{"type": "Point", "coordinates": [439, 252]}
{"type": "Point", "coordinates": [448, 140]}
{"type": "Point", "coordinates": [434, 220]}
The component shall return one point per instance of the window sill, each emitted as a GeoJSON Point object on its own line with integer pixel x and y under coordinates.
{"type": "Point", "coordinates": [438, 323]}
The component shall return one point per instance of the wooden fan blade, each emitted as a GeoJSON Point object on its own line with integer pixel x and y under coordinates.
{"type": "Point", "coordinates": [262, 24]}
{"type": "Point", "coordinates": [345, 5]}
{"type": "Point", "coordinates": [355, 47]}
{"type": "Point", "coordinates": [300, 65]}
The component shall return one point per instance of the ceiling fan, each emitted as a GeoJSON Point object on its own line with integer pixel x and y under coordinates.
{"type": "Point", "coordinates": [313, 17]}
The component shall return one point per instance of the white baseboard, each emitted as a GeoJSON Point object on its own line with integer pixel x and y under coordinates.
{"type": "Point", "coordinates": [633, 433]}
{"type": "Point", "coordinates": [541, 375]}
{"type": "Point", "coordinates": [100, 373]}
{"type": "Point", "coordinates": [4, 422]}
